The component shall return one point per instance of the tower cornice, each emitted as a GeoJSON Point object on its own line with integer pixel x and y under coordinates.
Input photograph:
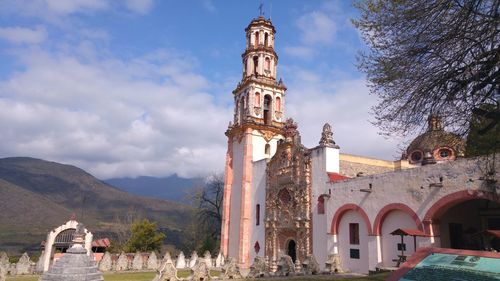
{"type": "Point", "coordinates": [259, 48]}
{"type": "Point", "coordinates": [236, 131]}
{"type": "Point", "coordinates": [261, 21]}
{"type": "Point", "coordinates": [261, 80]}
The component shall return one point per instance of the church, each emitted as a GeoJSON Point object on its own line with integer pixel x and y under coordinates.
{"type": "Point", "coordinates": [282, 198]}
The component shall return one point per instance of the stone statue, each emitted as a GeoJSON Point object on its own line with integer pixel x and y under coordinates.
{"type": "Point", "coordinates": [258, 268]}
{"type": "Point", "coordinates": [231, 270]}
{"type": "Point", "coordinates": [310, 265]}
{"type": "Point", "coordinates": [332, 264]}
{"type": "Point", "coordinates": [327, 137]}
{"type": "Point", "coordinates": [167, 270]}
{"type": "Point", "coordinates": [285, 266]}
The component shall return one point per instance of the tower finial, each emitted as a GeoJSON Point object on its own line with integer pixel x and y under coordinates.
{"type": "Point", "coordinates": [261, 9]}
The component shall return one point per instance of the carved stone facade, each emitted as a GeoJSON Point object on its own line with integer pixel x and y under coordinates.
{"type": "Point", "coordinates": [288, 198]}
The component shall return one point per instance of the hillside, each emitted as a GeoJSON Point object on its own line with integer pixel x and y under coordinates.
{"type": "Point", "coordinates": [37, 195]}
{"type": "Point", "coordinates": [171, 188]}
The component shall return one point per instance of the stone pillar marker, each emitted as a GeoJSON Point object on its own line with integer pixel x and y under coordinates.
{"type": "Point", "coordinates": [181, 261]}
{"type": "Point", "coordinates": [152, 261]}
{"type": "Point", "coordinates": [106, 263]}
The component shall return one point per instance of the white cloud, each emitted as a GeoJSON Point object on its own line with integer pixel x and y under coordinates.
{"type": "Point", "coordinates": [20, 35]}
{"type": "Point", "coordinates": [317, 28]}
{"type": "Point", "coordinates": [139, 6]}
{"type": "Point", "coordinates": [314, 99]}
{"type": "Point", "coordinates": [72, 6]}
{"type": "Point", "coordinates": [113, 117]}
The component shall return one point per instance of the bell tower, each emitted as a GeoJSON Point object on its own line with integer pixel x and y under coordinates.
{"type": "Point", "coordinates": [252, 140]}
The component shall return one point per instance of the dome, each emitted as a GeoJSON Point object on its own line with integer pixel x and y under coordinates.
{"type": "Point", "coordinates": [441, 145]}
{"type": "Point", "coordinates": [75, 265]}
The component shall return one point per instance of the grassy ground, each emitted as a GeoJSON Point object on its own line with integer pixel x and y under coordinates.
{"type": "Point", "coordinates": [148, 276]}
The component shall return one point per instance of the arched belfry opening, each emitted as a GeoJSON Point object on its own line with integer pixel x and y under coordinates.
{"type": "Point", "coordinates": [266, 39]}
{"type": "Point", "coordinates": [256, 38]}
{"type": "Point", "coordinates": [267, 110]}
{"type": "Point", "coordinates": [255, 64]}
{"type": "Point", "coordinates": [291, 250]}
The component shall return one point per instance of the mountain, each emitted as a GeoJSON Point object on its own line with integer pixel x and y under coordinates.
{"type": "Point", "coordinates": [171, 188]}
{"type": "Point", "coordinates": [37, 196]}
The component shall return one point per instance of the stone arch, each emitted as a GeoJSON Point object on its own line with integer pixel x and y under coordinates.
{"type": "Point", "coordinates": [379, 220]}
{"type": "Point", "coordinates": [51, 236]}
{"type": "Point", "coordinates": [446, 202]}
{"type": "Point", "coordinates": [342, 210]}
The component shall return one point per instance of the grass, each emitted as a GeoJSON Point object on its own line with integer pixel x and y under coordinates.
{"type": "Point", "coordinates": [148, 276]}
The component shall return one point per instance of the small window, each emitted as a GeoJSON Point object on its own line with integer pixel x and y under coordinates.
{"type": "Point", "coordinates": [255, 64]}
{"type": "Point", "coordinates": [268, 64]}
{"type": "Point", "coordinates": [354, 254]}
{"type": "Point", "coordinates": [257, 214]}
{"type": "Point", "coordinates": [416, 156]}
{"type": "Point", "coordinates": [321, 205]}
{"type": "Point", "coordinates": [266, 39]}
{"type": "Point", "coordinates": [278, 104]}
{"type": "Point", "coordinates": [267, 149]}
{"type": "Point", "coordinates": [444, 153]}
{"type": "Point", "coordinates": [354, 233]}
{"type": "Point", "coordinates": [257, 38]}
{"type": "Point", "coordinates": [257, 99]}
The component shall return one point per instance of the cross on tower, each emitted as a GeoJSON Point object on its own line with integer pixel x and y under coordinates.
{"type": "Point", "coordinates": [261, 12]}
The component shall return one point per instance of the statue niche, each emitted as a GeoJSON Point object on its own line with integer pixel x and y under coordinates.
{"type": "Point", "coordinates": [288, 197]}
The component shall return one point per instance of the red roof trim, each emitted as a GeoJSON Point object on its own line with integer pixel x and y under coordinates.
{"type": "Point", "coordinates": [336, 177]}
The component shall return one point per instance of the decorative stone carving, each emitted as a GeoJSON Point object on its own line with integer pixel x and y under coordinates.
{"type": "Point", "coordinates": [167, 271]}
{"type": "Point", "coordinates": [152, 261]}
{"type": "Point", "coordinates": [219, 261]}
{"type": "Point", "coordinates": [23, 266]}
{"type": "Point", "coordinates": [258, 268]}
{"type": "Point", "coordinates": [332, 264]}
{"type": "Point", "coordinates": [193, 259]}
{"type": "Point", "coordinates": [257, 110]}
{"type": "Point", "coordinates": [122, 262]}
{"type": "Point", "coordinates": [298, 267]}
{"type": "Point", "coordinates": [310, 265]}
{"type": "Point", "coordinates": [288, 197]}
{"type": "Point", "coordinates": [106, 262]}
{"type": "Point", "coordinates": [327, 137]}
{"type": "Point", "coordinates": [201, 270]}
{"type": "Point", "coordinates": [181, 261]}
{"type": "Point", "coordinates": [208, 259]}
{"type": "Point", "coordinates": [231, 270]}
{"type": "Point", "coordinates": [286, 266]}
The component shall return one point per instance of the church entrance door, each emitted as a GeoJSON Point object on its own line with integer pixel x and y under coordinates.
{"type": "Point", "coordinates": [292, 250]}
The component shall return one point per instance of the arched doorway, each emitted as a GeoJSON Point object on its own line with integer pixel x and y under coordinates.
{"type": "Point", "coordinates": [463, 225]}
{"type": "Point", "coordinates": [291, 250]}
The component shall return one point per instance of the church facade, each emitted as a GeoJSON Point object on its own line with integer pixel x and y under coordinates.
{"type": "Point", "coordinates": [282, 198]}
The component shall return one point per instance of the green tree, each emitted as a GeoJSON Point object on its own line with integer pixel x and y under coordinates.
{"type": "Point", "coordinates": [432, 56]}
{"type": "Point", "coordinates": [479, 142]}
{"type": "Point", "coordinates": [144, 237]}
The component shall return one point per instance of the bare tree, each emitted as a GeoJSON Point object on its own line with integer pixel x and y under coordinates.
{"type": "Point", "coordinates": [210, 204]}
{"type": "Point", "coordinates": [432, 57]}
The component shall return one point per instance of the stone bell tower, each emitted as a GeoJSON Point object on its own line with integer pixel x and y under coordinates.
{"type": "Point", "coordinates": [252, 139]}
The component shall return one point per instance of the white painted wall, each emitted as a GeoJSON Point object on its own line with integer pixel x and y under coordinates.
{"type": "Point", "coordinates": [259, 144]}
{"type": "Point", "coordinates": [389, 243]}
{"type": "Point", "coordinates": [258, 197]}
{"type": "Point", "coordinates": [355, 265]}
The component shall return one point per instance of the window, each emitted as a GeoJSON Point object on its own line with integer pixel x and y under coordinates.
{"type": "Point", "coordinates": [268, 64]}
{"type": "Point", "coordinates": [257, 38]}
{"type": "Point", "coordinates": [267, 149]}
{"type": "Point", "coordinates": [266, 39]}
{"type": "Point", "coordinates": [416, 156]}
{"type": "Point", "coordinates": [321, 205]}
{"type": "Point", "coordinates": [267, 109]}
{"type": "Point", "coordinates": [257, 214]}
{"type": "Point", "coordinates": [257, 99]}
{"type": "Point", "coordinates": [278, 104]}
{"type": "Point", "coordinates": [354, 254]}
{"type": "Point", "coordinates": [255, 64]}
{"type": "Point", "coordinates": [354, 233]}
{"type": "Point", "coordinates": [445, 153]}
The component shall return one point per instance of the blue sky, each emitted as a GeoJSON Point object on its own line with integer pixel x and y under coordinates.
{"type": "Point", "coordinates": [143, 87]}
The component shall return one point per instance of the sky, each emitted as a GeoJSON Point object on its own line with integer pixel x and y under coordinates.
{"type": "Point", "coordinates": [126, 88]}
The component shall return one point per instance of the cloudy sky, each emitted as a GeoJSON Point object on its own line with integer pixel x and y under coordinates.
{"type": "Point", "coordinates": [143, 87]}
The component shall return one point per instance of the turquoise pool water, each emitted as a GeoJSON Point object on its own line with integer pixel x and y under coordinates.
{"type": "Point", "coordinates": [454, 267]}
